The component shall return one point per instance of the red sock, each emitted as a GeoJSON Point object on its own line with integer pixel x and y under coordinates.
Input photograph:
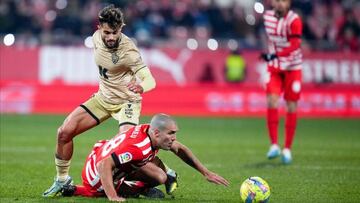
{"type": "Point", "coordinates": [272, 124]}
{"type": "Point", "coordinates": [290, 126]}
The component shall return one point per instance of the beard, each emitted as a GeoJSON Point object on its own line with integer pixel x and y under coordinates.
{"type": "Point", "coordinates": [281, 12]}
{"type": "Point", "coordinates": [112, 44]}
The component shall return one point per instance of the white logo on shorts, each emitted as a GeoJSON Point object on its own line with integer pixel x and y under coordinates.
{"type": "Point", "coordinates": [296, 86]}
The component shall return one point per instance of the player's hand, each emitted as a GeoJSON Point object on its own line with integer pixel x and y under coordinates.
{"type": "Point", "coordinates": [136, 88]}
{"type": "Point", "coordinates": [117, 199]}
{"type": "Point", "coordinates": [267, 57]}
{"type": "Point", "coordinates": [215, 178]}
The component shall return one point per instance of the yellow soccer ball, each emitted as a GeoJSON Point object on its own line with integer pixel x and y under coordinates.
{"type": "Point", "coordinates": [255, 190]}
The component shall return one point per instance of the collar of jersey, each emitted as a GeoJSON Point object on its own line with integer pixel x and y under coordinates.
{"type": "Point", "coordinates": [147, 133]}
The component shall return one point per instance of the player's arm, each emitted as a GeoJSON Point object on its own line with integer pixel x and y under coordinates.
{"type": "Point", "coordinates": [188, 157]}
{"type": "Point", "coordinates": [147, 81]}
{"type": "Point", "coordinates": [105, 168]}
{"type": "Point", "coordinates": [294, 38]}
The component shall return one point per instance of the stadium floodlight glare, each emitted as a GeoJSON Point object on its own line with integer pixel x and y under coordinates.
{"type": "Point", "coordinates": [212, 44]}
{"type": "Point", "coordinates": [259, 7]}
{"type": "Point", "coordinates": [233, 44]}
{"type": "Point", "coordinates": [88, 42]}
{"type": "Point", "coordinates": [9, 39]}
{"type": "Point", "coordinates": [192, 44]}
{"type": "Point", "coordinates": [50, 15]}
{"type": "Point", "coordinates": [250, 19]}
{"type": "Point", "coordinates": [61, 4]}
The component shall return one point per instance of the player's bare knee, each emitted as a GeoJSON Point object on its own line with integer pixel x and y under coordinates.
{"type": "Point", "coordinates": [291, 108]}
{"type": "Point", "coordinates": [64, 135]}
{"type": "Point", "coordinates": [272, 103]}
{"type": "Point", "coordinates": [161, 177]}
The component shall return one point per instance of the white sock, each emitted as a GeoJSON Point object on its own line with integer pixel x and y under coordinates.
{"type": "Point", "coordinates": [62, 169]}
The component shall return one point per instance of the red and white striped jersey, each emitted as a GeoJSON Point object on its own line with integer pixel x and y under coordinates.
{"type": "Point", "coordinates": [284, 39]}
{"type": "Point", "coordinates": [129, 150]}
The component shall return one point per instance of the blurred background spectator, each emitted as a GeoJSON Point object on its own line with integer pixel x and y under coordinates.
{"type": "Point", "coordinates": [235, 67]}
{"type": "Point", "coordinates": [328, 24]}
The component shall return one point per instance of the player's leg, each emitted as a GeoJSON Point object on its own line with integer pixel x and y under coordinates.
{"type": "Point", "coordinates": [81, 119]}
{"type": "Point", "coordinates": [152, 175]}
{"type": "Point", "coordinates": [292, 95]}
{"type": "Point", "coordinates": [78, 121]}
{"type": "Point", "coordinates": [171, 183]}
{"type": "Point", "coordinates": [80, 190]}
{"type": "Point", "coordinates": [143, 182]}
{"type": "Point", "coordinates": [146, 179]}
{"type": "Point", "coordinates": [273, 91]}
{"type": "Point", "coordinates": [86, 189]}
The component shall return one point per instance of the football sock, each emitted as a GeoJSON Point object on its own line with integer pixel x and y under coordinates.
{"type": "Point", "coordinates": [62, 168]}
{"type": "Point", "coordinates": [169, 171]}
{"type": "Point", "coordinates": [290, 126]}
{"type": "Point", "coordinates": [272, 124]}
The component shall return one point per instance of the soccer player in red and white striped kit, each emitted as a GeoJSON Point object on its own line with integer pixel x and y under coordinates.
{"type": "Point", "coordinates": [283, 29]}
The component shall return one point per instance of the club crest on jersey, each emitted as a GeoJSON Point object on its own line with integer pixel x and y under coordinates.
{"type": "Point", "coordinates": [114, 57]}
{"type": "Point", "coordinates": [125, 157]}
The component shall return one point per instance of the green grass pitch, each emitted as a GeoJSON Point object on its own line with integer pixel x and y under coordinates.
{"type": "Point", "coordinates": [326, 153]}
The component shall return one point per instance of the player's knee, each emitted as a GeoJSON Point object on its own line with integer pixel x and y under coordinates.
{"type": "Point", "coordinates": [272, 103]}
{"type": "Point", "coordinates": [291, 107]}
{"type": "Point", "coordinates": [64, 135]}
{"type": "Point", "coordinates": [161, 178]}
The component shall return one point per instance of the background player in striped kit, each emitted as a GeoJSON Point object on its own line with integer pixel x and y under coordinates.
{"type": "Point", "coordinates": [284, 29]}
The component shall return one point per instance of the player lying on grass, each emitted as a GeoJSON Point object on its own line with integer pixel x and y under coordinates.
{"type": "Point", "coordinates": [132, 156]}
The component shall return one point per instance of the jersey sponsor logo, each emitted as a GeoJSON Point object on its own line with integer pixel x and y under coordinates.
{"type": "Point", "coordinates": [125, 157]}
{"type": "Point", "coordinates": [114, 57]}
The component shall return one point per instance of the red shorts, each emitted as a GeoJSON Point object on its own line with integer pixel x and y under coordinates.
{"type": "Point", "coordinates": [288, 81]}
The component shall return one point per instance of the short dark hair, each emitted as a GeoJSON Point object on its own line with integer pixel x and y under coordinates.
{"type": "Point", "coordinates": [112, 16]}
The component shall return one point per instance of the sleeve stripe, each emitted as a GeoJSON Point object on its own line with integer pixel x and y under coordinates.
{"type": "Point", "coordinates": [116, 160]}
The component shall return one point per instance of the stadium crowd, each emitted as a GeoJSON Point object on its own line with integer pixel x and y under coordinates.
{"type": "Point", "coordinates": [328, 24]}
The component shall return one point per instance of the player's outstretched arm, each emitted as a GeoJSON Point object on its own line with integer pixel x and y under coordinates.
{"type": "Point", "coordinates": [104, 168]}
{"type": "Point", "coordinates": [188, 157]}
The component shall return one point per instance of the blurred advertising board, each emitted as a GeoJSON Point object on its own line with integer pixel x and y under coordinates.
{"type": "Point", "coordinates": [57, 79]}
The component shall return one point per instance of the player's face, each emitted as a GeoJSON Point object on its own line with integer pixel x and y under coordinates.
{"type": "Point", "coordinates": [281, 6]}
{"type": "Point", "coordinates": [109, 36]}
{"type": "Point", "coordinates": [167, 136]}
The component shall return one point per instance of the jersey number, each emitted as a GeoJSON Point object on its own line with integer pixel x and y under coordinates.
{"type": "Point", "coordinates": [112, 144]}
{"type": "Point", "coordinates": [102, 72]}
